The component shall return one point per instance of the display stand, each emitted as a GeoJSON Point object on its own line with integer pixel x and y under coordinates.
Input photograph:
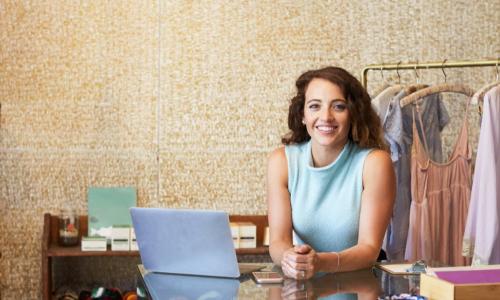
{"type": "Point", "coordinates": [51, 249]}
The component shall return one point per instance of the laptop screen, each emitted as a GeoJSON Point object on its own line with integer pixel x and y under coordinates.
{"type": "Point", "coordinates": [193, 242]}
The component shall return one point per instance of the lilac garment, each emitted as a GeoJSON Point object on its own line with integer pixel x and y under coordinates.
{"type": "Point", "coordinates": [397, 124]}
{"type": "Point", "coordinates": [482, 231]}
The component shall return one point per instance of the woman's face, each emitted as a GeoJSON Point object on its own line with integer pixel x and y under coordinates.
{"type": "Point", "coordinates": [326, 115]}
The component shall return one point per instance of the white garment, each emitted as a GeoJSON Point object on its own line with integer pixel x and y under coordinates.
{"type": "Point", "coordinates": [381, 102]}
{"type": "Point", "coordinates": [482, 231]}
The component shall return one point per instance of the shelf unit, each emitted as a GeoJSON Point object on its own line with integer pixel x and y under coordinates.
{"type": "Point", "coordinates": [51, 249]}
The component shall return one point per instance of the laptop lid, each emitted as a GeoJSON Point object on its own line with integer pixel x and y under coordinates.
{"type": "Point", "coordinates": [192, 242]}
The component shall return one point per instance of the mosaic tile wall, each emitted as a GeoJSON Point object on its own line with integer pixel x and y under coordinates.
{"type": "Point", "coordinates": [92, 92]}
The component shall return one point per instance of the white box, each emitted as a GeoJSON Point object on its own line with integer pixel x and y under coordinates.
{"type": "Point", "coordinates": [94, 243]}
{"type": "Point", "coordinates": [120, 238]}
{"type": "Point", "coordinates": [248, 235]}
{"type": "Point", "coordinates": [235, 233]}
{"type": "Point", "coordinates": [133, 240]}
{"type": "Point", "coordinates": [266, 236]}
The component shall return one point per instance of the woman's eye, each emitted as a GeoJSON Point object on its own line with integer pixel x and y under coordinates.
{"type": "Point", "coordinates": [313, 106]}
{"type": "Point", "coordinates": [339, 107]}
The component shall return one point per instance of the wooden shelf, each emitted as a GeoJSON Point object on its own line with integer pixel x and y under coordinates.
{"type": "Point", "coordinates": [263, 250]}
{"type": "Point", "coordinates": [51, 248]}
{"type": "Point", "coordinates": [58, 251]}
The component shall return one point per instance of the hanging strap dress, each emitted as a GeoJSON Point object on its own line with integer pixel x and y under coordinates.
{"type": "Point", "coordinates": [440, 201]}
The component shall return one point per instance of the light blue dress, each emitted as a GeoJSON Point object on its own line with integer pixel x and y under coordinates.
{"type": "Point", "coordinates": [326, 201]}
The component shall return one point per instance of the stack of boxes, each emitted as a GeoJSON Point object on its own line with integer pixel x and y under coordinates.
{"type": "Point", "coordinates": [122, 239]}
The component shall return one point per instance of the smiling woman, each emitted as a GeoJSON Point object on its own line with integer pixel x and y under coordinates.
{"type": "Point", "coordinates": [326, 119]}
{"type": "Point", "coordinates": [332, 185]}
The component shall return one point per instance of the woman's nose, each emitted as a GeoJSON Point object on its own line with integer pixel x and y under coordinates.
{"type": "Point", "coordinates": [327, 114]}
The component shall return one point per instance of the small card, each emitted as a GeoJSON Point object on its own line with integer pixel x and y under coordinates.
{"type": "Point", "coordinates": [93, 243]}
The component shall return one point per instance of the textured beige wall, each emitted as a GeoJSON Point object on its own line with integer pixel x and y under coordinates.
{"type": "Point", "coordinates": [88, 88]}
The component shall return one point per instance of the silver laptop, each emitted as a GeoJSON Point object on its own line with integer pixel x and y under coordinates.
{"type": "Point", "coordinates": [190, 242]}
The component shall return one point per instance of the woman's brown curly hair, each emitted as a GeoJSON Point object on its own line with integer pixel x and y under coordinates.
{"type": "Point", "coordinates": [366, 130]}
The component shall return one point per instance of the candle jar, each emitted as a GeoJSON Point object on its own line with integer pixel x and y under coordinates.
{"type": "Point", "coordinates": [69, 225]}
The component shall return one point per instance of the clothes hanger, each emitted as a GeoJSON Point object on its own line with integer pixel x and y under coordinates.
{"type": "Point", "coordinates": [440, 88]}
{"type": "Point", "coordinates": [385, 84]}
{"type": "Point", "coordinates": [412, 88]}
{"type": "Point", "coordinates": [387, 91]}
{"type": "Point", "coordinates": [479, 95]}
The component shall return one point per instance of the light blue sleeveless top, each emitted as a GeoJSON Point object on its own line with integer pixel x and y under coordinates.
{"type": "Point", "coordinates": [326, 201]}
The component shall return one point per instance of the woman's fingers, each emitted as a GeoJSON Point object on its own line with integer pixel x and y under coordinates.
{"type": "Point", "coordinates": [299, 266]}
{"type": "Point", "coordinates": [297, 274]}
{"type": "Point", "coordinates": [302, 249]}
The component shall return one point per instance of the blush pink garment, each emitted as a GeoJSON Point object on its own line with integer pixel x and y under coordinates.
{"type": "Point", "coordinates": [482, 233]}
{"type": "Point", "coordinates": [440, 201]}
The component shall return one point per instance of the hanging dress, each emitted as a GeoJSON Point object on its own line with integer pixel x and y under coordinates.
{"type": "Point", "coordinates": [440, 200]}
{"type": "Point", "coordinates": [481, 238]}
{"type": "Point", "coordinates": [398, 133]}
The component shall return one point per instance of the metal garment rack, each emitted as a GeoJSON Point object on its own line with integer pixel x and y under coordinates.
{"type": "Point", "coordinates": [428, 65]}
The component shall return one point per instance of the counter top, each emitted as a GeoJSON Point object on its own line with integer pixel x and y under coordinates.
{"type": "Point", "coordinates": [363, 284]}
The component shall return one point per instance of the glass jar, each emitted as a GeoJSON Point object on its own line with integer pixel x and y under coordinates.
{"type": "Point", "coordinates": [69, 225]}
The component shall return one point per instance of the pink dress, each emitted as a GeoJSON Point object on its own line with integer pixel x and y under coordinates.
{"type": "Point", "coordinates": [440, 201]}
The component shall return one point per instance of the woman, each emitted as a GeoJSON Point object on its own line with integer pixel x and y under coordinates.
{"type": "Point", "coordinates": [333, 183]}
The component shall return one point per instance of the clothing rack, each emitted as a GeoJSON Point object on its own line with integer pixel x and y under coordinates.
{"type": "Point", "coordinates": [428, 65]}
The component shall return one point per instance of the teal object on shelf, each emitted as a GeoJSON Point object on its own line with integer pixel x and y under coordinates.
{"type": "Point", "coordinates": [108, 206]}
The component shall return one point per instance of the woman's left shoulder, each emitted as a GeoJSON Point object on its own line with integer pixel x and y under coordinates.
{"type": "Point", "coordinates": [378, 156]}
{"type": "Point", "coordinates": [377, 162]}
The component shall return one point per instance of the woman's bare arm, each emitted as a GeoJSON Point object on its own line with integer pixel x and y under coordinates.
{"type": "Point", "coordinates": [278, 205]}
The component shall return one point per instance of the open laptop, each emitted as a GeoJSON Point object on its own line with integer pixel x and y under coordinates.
{"type": "Point", "coordinates": [190, 242]}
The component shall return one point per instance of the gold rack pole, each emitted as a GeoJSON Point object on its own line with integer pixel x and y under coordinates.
{"type": "Point", "coordinates": [427, 65]}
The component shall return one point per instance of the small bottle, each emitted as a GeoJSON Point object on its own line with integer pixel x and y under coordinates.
{"type": "Point", "coordinates": [69, 225]}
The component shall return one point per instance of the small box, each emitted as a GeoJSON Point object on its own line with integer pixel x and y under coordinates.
{"type": "Point", "coordinates": [120, 238]}
{"type": "Point", "coordinates": [248, 235]}
{"type": "Point", "coordinates": [133, 240]}
{"type": "Point", "coordinates": [266, 236]}
{"type": "Point", "coordinates": [461, 283]}
{"type": "Point", "coordinates": [94, 243]}
{"type": "Point", "coordinates": [235, 233]}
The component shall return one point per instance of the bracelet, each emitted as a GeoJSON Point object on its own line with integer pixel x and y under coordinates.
{"type": "Point", "coordinates": [338, 262]}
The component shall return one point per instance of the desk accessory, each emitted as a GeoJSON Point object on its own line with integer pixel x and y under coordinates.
{"type": "Point", "coordinates": [235, 234]}
{"type": "Point", "coordinates": [248, 235]}
{"type": "Point", "coordinates": [267, 277]}
{"type": "Point", "coordinates": [133, 240]}
{"type": "Point", "coordinates": [108, 206]}
{"type": "Point", "coordinates": [68, 227]}
{"type": "Point", "coordinates": [461, 283]}
{"type": "Point", "coordinates": [93, 243]}
{"type": "Point", "coordinates": [266, 236]}
{"type": "Point", "coordinates": [120, 238]}
{"type": "Point", "coordinates": [398, 269]}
